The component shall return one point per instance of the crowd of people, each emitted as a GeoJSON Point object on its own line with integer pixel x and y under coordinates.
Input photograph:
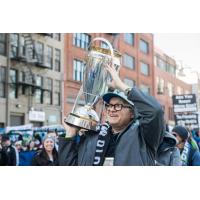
{"type": "Point", "coordinates": [37, 150]}
{"type": "Point", "coordinates": [133, 134]}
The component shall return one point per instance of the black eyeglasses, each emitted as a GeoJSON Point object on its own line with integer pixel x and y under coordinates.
{"type": "Point", "coordinates": [117, 107]}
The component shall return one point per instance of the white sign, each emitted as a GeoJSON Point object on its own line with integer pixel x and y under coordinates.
{"type": "Point", "coordinates": [19, 128]}
{"type": "Point", "coordinates": [184, 103]}
{"type": "Point", "coordinates": [38, 116]}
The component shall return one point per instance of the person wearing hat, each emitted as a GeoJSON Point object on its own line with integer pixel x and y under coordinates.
{"type": "Point", "coordinates": [168, 153]}
{"type": "Point", "coordinates": [190, 155]}
{"type": "Point", "coordinates": [9, 150]}
{"type": "Point", "coordinates": [48, 155]}
{"type": "Point", "coordinates": [130, 137]}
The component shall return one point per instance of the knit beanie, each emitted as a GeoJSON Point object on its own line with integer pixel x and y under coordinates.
{"type": "Point", "coordinates": [48, 137]}
{"type": "Point", "coordinates": [181, 131]}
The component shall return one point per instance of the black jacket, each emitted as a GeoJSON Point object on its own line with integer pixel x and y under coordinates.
{"type": "Point", "coordinates": [42, 159]}
{"type": "Point", "coordinates": [8, 155]}
{"type": "Point", "coordinates": [3, 158]}
{"type": "Point", "coordinates": [137, 145]}
{"type": "Point", "coordinates": [168, 154]}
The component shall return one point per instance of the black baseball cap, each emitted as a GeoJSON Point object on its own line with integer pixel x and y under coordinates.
{"type": "Point", "coordinates": [181, 131]}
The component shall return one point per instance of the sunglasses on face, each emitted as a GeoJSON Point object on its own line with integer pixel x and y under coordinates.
{"type": "Point", "coordinates": [117, 107]}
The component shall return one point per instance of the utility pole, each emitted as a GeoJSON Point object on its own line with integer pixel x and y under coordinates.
{"type": "Point", "coordinates": [7, 80]}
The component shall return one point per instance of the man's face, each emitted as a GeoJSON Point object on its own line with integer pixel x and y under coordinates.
{"type": "Point", "coordinates": [6, 143]}
{"type": "Point", "coordinates": [119, 113]}
{"type": "Point", "coordinates": [181, 143]}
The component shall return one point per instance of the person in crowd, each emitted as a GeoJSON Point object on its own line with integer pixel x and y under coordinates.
{"type": "Point", "coordinates": [168, 154]}
{"type": "Point", "coordinates": [3, 155]}
{"type": "Point", "coordinates": [130, 137]}
{"type": "Point", "coordinates": [48, 156]}
{"type": "Point", "coordinates": [9, 149]}
{"type": "Point", "coordinates": [190, 155]}
{"type": "Point", "coordinates": [18, 145]}
{"type": "Point", "coordinates": [26, 156]}
{"type": "Point", "coordinates": [195, 135]}
{"type": "Point", "coordinates": [54, 134]}
{"type": "Point", "coordinates": [18, 148]}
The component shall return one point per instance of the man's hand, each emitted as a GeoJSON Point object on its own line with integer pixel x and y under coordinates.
{"type": "Point", "coordinates": [71, 131]}
{"type": "Point", "coordinates": [116, 81]}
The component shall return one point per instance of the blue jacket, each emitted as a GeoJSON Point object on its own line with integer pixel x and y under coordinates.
{"type": "Point", "coordinates": [190, 156]}
{"type": "Point", "coordinates": [25, 158]}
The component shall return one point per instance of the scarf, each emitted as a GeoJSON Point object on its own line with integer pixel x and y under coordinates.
{"type": "Point", "coordinates": [185, 154]}
{"type": "Point", "coordinates": [102, 144]}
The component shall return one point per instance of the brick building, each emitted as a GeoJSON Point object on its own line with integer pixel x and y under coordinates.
{"type": "Point", "coordinates": [137, 61]}
{"type": "Point", "coordinates": [167, 83]}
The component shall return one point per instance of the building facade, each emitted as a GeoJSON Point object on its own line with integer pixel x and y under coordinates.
{"type": "Point", "coordinates": [31, 74]}
{"type": "Point", "coordinates": [167, 83]}
{"type": "Point", "coordinates": [137, 66]}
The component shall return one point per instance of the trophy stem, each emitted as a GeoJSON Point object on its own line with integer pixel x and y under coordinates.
{"type": "Point", "coordinates": [79, 93]}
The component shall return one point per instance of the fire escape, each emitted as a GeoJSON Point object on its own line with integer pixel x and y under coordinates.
{"type": "Point", "coordinates": [27, 54]}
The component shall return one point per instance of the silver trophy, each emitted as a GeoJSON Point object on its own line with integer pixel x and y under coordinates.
{"type": "Point", "coordinates": [88, 106]}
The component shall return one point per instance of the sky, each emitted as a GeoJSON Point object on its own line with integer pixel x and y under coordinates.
{"type": "Point", "coordinates": [185, 48]}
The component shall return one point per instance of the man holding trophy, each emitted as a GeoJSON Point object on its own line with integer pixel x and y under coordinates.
{"type": "Point", "coordinates": [131, 133]}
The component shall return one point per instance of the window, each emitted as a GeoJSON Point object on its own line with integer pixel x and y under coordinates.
{"type": "Point", "coordinates": [48, 99]}
{"type": "Point", "coordinates": [78, 67]}
{"type": "Point", "coordinates": [57, 36]}
{"type": "Point", "coordinates": [40, 52]}
{"type": "Point", "coordinates": [144, 68]}
{"type": "Point", "coordinates": [57, 93]}
{"type": "Point", "coordinates": [129, 38]}
{"type": "Point", "coordinates": [129, 61]}
{"type": "Point", "coordinates": [160, 85]}
{"type": "Point", "coordinates": [14, 40]}
{"type": "Point", "coordinates": [57, 60]}
{"type": "Point", "coordinates": [145, 89]}
{"type": "Point", "coordinates": [13, 82]}
{"type": "Point", "coordinates": [81, 40]}
{"type": "Point", "coordinates": [38, 91]}
{"type": "Point", "coordinates": [49, 57]}
{"type": "Point", "coordinates": [144, 47]}
{"type": "Point", "coordinates": [22, 46]}
{"type": "Point", "coordinates": [171, 69]}
{"type": "Point", "coordinates": [129, 82]}
{"type": "Point", "coordinates": [22, 80]}
{"type": "Point", "coordinates": [2, 81]}
{"type": "Point", "coordinates": [161, 64]}
{"type": "Point", "coordinates": [2, 44]}
{"type": "Point", "coordinates": [170, 89]}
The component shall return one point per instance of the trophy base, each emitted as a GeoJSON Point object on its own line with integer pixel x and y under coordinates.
{"type": "Point", "coordinates": [81, 122]}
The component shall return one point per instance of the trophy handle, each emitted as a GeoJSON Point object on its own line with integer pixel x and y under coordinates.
{"type": "Point", "coordinates": [107, 42]}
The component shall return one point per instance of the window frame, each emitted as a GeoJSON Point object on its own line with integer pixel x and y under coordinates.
{"type": "Point", "coordinates": [57, 66]}
{"type": "Point", "coordinates": [3, 44]}
{"type": "Point", "coordinates": [78, 70]}
{"type": "Point", "coordinates": [144, 46]}
{"type": "Point", "coordinates": [125, 61]}
{"type": "Point", "coordinates": [127, 38]}
{"type": "Point", "coordinates": [142, 71]}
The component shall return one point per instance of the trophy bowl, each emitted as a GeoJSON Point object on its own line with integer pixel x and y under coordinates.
{"type": "Point", "coordinates": [87, 109]}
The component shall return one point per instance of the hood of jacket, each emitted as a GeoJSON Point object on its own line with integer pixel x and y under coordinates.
{"type": "Point", "coordinates": [169, 141]}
